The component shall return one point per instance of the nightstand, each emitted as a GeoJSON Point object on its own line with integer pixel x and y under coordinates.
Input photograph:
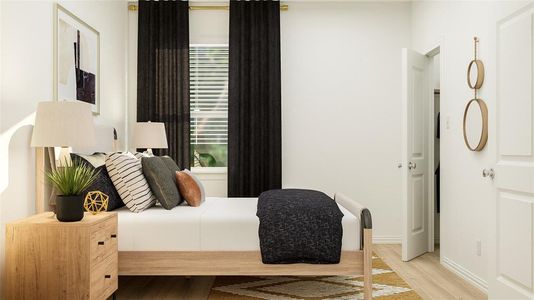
{"type": "Point", "coordinates": [48, 259]}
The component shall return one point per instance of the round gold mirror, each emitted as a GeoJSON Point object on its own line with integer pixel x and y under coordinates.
{"type": "Point", "coordinates": [475, 74]}
{"type": "Point", "coordinates": [476, 124]}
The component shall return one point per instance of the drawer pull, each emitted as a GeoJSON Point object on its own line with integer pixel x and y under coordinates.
{"type": "Point", "coordinates": [100, 243]}
{"type": "Point", "coordinates": [107, 276]}
{"type": "Point", "coordinates": [113, 236]}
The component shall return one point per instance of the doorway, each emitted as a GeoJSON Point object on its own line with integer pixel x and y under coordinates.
{"type": "Point", "coordinates": [436, 146]}
{"type": "Point", "coordinates": [421, 120]}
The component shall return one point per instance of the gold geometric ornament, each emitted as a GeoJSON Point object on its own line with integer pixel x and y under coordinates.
{"type": "Point", "coordinates": [95, 202]}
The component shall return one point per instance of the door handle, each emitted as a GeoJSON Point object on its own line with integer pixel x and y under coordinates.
{"type": "Point", "coordinates": [412, 165]}
{"type": "Point", "coordinates": [488, 173]}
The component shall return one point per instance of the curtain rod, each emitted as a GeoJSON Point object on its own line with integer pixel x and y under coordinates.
{"type": "Point", "coordinates": [135, 7]}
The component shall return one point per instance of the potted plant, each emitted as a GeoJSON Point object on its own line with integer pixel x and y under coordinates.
{"type": "Point", "coordinates": [71, 180]}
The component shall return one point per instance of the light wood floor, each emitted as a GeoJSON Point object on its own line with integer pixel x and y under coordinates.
{"type": "Point", "coordinates": [424, 274]}
{"type": "Point", "coordinates": [427, 276]}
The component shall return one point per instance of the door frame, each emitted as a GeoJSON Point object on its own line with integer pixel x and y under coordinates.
{"type": "Point", "coordinates": [432, 126]}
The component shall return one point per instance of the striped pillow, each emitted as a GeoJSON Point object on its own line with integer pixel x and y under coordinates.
{"type": "Point", "coordinates": [140, 155]}
{"type": "Point", "coordinates": [126, 174]}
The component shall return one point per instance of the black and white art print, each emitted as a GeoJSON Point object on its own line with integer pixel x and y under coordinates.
{"type": "Point", "coordinates": [78, 60]}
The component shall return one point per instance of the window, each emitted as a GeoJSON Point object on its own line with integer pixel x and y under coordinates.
{"type": "Point", "coordinates": [208, 67]}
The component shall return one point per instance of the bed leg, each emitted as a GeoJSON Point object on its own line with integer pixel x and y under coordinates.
{"type": "Point", "coordinates": [367, 264]}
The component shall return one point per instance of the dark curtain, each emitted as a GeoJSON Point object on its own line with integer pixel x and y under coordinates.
{"type": "Point", "coordinates": [254, 99]}
{"type": "Point", "coordinates": [163, 73]}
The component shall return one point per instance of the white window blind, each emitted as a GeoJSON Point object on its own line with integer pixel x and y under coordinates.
{"type": "Point", "coordinates": [208, 67]}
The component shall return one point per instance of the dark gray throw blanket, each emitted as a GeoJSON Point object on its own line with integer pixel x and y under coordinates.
{"type": "Point", "coordinates": [299, 226]}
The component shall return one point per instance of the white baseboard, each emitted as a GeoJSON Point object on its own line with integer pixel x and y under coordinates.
{"type": "Point", "coordinates": [465, 274]}
{"type": "Point", "coordinates": [386, 240]}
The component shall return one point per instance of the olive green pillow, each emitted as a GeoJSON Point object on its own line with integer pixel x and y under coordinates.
{"type": "Point", "coordinates": [161, 181]}
{"type": "Point", "coordinates": [171, 164]}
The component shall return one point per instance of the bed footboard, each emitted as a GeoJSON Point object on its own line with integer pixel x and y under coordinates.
{"type": "Point", "coordinates": [366, 239]}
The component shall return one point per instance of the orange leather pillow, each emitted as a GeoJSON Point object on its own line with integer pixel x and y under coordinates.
{"type": "Point", "coordinates": [190, 188]}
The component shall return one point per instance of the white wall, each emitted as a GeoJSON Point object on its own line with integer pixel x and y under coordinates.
{"type": "Point", "coordinates": [26, 78]}
{"type": "Point", "coordinates": [465, 196]}
{"type": "Point", "coordinates": [341, 88]}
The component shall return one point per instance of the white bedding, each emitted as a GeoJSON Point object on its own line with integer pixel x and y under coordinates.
{"type": "Point", "coordinates": [219, 224]}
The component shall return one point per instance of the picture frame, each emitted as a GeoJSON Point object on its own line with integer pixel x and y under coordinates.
{"type": "Point", "coordinates": [76, 59]}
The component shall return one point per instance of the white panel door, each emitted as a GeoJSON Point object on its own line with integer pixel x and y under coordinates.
{"type": "Point", "coordinates": [511, 259]}
{"type": "Point", "coordinates": [417, 94]}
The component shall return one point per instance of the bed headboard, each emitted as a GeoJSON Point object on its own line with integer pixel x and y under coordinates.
{"type": "Point", "coordinates": [45, 160]}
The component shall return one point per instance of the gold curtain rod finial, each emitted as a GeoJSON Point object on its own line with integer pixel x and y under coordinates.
{"type": "Point", "coordinates": [132, 7]}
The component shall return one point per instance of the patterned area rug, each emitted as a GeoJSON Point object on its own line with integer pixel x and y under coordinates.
{"type": "Point", "coordinates": [386, 285]}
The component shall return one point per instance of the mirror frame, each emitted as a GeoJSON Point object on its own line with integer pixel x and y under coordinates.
{"type": "Point", "coordinates": [484, 132]}
{"type": "Point", "coordinates": [480, 74]}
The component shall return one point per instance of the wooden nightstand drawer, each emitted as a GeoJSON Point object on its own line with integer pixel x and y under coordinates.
{"type": "Point", "coordinates": [48, 259]}
{"type": "Point", "coordinates": [103, 240]}
{"type": "Point", "coordinates": [104, 278]}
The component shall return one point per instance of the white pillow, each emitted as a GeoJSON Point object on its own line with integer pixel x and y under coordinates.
{"type": "Point", "coordinates": [200, 185]}
{"type": "Point", "coordinates": [126, 173]}
{"type": "Point", "coordinates": [96, 159]}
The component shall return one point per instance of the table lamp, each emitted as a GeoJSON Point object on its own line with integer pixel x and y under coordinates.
{"type": "Point", "coordinates": [150, 135]}
{"type": "Point", "coordinates": [63, 124]}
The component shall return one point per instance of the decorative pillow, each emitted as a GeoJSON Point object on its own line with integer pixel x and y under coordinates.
{"type": "Point", "coordinates": [161, 181]}
{"type": "Point", "coordinates": [103, 182]}
{"type": "Point", "coordinates": [170, 163]}
{"type": "Point", "coordinates": [96, 159]}
{"type": "Point", "coordinates": [126, 173]}
{"type": "Point", "coordinates": [190, 188]}
{"type": "Point", "coordinates": [140, 155]}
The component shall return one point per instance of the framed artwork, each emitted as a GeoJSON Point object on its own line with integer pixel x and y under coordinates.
{"type": "Point", "coordinates": [77, 60]}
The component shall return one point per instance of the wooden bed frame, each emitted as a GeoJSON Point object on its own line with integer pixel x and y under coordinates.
{"type": "Point", "coordinates": [243, 263]}
{"type": "Point", "coordinates": [225, 263]}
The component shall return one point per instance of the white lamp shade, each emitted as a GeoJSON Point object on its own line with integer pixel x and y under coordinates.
{"type": "Point", "coordinates": [150, 135]}
{"type": "Point", "coordinates": [63, 124]}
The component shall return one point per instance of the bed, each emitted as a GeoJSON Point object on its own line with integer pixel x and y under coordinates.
{"type": "Point", "coordinates": [219, 238]}
{"type": "Point", "coordinates": [219, 224]}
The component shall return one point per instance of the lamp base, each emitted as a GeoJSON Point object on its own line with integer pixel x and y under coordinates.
{"type": "Point", "coordinates": [63, 157]}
